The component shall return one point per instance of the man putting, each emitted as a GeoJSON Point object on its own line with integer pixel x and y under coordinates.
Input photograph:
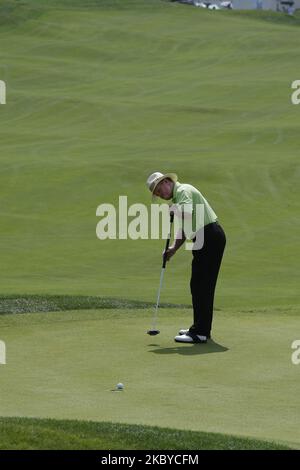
{"type": "Point", "coordinates": [207, 257]}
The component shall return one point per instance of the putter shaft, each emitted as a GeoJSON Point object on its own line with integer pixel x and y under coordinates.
{"type": "Point", "coordinates": [154, 320]}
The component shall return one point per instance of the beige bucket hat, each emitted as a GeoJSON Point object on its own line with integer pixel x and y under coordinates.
{"type": "Point", "coordinates": [157, 177]}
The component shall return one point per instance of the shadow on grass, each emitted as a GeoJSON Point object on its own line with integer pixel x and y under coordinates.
{"type": "Point", "coordinates": [191, 349]}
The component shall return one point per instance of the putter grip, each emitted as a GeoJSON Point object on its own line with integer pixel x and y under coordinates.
{"type": "Point", "coordinates": [168, 239]}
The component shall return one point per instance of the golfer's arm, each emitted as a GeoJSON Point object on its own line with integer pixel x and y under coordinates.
{"type": "Point", "coordinates": [179, 240]}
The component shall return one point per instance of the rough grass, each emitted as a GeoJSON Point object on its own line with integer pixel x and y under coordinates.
{"type": "Point", "coordinates": [29, 434]}
{"type": "Point", "coordinates": [14, 12]}
{"type": "Point", "coordinates": [53, 303]}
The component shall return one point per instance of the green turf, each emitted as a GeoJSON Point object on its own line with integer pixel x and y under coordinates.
{"type": "Point", "coordinates": [99, 94]}
{"type": "Point", "coordinates": [31, 434]}
{"type": "Point", "coordinates": [66, 366]}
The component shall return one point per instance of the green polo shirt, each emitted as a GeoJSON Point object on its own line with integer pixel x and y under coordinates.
{"type": "Point", "coordinates": [188, 196]}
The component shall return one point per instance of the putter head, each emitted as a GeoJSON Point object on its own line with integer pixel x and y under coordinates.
{"type": "Point", "coordinates": [153, 332]}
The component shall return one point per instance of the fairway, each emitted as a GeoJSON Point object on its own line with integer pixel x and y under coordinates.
{"type": "Point", "coordinates": [99, 95]}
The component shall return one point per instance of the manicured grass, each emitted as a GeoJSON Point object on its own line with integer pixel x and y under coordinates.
{"type": "Point", "coordinates": [100, 94]}
{"type": "Point", "coordinates": [270, 17]}
{"type": "Point", "coordinates": [65, 365]}
{"type": "Point", "coordinates": [32, 434]}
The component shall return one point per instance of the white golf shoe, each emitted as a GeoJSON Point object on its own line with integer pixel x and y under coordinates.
{"type": "Point", "coordinates": [188, 338]}
{"type": "Point", "coordinates": [185, 332]}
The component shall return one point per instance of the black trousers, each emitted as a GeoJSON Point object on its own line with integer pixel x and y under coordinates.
{"type": "Point", "coordinates": [205, 269]}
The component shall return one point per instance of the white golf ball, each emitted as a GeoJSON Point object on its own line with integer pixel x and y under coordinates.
{"type": "Point", "coordinates": [120, 386]}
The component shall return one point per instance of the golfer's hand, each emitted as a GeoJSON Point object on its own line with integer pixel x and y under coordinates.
{"type": "Point", "coordinates": [169, 253]}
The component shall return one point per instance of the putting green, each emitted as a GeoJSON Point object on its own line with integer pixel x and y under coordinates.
{"type": "Point", "coordinates": [66, 365]}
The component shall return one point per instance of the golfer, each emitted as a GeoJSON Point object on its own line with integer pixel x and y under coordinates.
{"type": "Point", "coordinates": [207, 256]}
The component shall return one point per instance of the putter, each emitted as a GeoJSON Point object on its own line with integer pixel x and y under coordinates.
{"type": "Point", "coordinates": [154, 331]}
